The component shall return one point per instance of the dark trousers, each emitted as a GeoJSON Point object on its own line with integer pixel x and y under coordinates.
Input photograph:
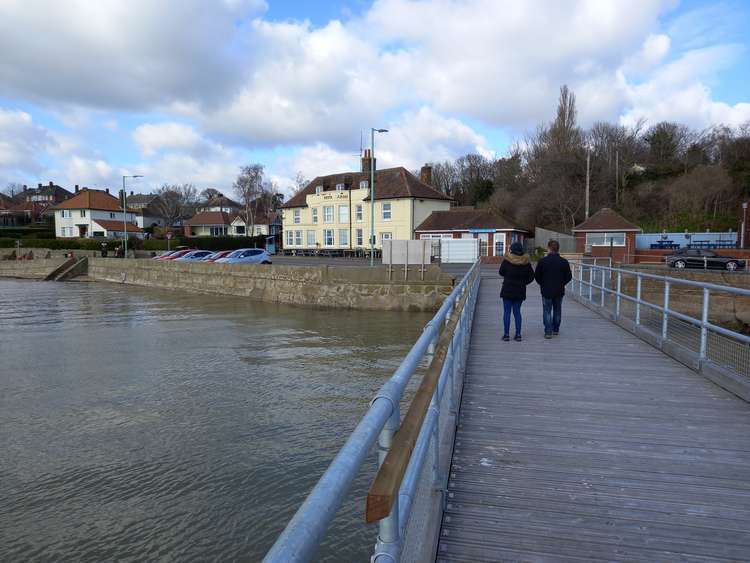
{"type": "Point", "coordinates": [552, 314]}
{"type": "Point", "coordinates": [513, 305]}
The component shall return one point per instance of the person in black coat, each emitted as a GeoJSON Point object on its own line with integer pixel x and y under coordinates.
{"type": "Point", "coordinates": [552, 274]}
{"type": "Point", "coordinates": [517, 273]}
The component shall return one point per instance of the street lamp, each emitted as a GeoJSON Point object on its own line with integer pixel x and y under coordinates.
{"type": "Point", "coordinates": [125, 213]}
{"type": "Point", "coordinates": [372, 192]}
{"type": "Point", "coordinates": [744, 224]}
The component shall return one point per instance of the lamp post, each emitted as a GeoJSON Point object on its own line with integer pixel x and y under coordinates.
{"type": "Point", "coordinates": [744, 224]}
{"type": "Point", "coordinates": [372, 192]}
{"type": "Point", "coordinates": [588, 176]}
{"type": "Point", "coordinates": [125, 213]}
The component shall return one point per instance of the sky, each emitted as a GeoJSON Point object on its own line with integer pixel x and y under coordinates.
{"type": "Point", "coordinates": [187, 91]}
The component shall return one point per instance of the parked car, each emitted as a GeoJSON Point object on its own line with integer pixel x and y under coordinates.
{"type": "Point", "coordinates": [217, 255]}
{"type": "Point", "coordinates": [164, 255]}
{"type": "Point", "coordinates": [694, 258]}
{"type": "Point", "coordinates": [247, 256]}
{"type": "Point", "coordinates": [194, 256]}
{"type": "Point", "coordinates": [179, 254]}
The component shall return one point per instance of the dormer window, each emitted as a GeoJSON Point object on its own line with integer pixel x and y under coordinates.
{"type": "Point", "coordinates": [318, 190]}
{"type": "Point", "coordinates": [363, 184]}
{"type": "Point", "coordinates": [339, 187]}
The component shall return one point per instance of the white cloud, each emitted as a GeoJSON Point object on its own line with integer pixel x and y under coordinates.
{"type": "Point", "coordinates": [153, 137]}
{"type": "Point", "coordinates": [22, 144]}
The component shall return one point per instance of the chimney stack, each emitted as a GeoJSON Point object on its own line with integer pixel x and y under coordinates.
{"type": "Point", "coordinates": [76, 188]}
{"type": "Point", "coordinates": [366, 161]}
{"type": "Point", "coordinates": [106, 190]}
{"type": "Point", "coordinates": [131, 193]}
{"type": "Point", "coordinates": [425, 174]}
{"type": "Point", "coordinates": [51, 184]}
{"type": "Point", "coordinates": [39, 185]}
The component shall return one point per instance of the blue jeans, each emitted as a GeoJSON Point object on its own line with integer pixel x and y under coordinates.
{"type": "Point", "coordinates": [513, 305]}
{"type": "Point", "coordinates": [552, 314]}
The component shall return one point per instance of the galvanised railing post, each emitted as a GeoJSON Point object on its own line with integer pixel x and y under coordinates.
{"type": "Point", "coordinates": [704, 323]}
{"type": "Point", "coordinates": [436, 442]}
{"type": "Point", "coordinates": [591, 284]}
{"type": "Point", "coordinates": [637, 300]}
{"type": "Point", "coordinates": [388, 531]}
{"type": "Point", "coordinates": [580, 279]}
{"type": "Point", "coordinates": [618, 294]}
{"type": "Point", "coordinates": [665, 315]}
{"type": "Point", "coordinates": [602, 289]}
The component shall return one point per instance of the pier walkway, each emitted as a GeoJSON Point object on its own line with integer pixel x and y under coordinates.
{"type": "Point", "coordinates": [591, 446]}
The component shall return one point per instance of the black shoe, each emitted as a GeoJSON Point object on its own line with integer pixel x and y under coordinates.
{"type": "Point", "coordinates": [547, 335]}
{"type": "Point", "coordinates": [517, 338]}
{"type": "Point", "coordinates": [555, 333]}
{"type": "Point", "coordinates": [506, 338]}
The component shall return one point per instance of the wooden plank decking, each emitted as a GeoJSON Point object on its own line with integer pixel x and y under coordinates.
{"type": "Point", "coordinates": [592, 446]}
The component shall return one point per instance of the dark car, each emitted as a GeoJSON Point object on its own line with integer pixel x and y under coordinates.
{"type": "Point", "coordinates": [703, 259]}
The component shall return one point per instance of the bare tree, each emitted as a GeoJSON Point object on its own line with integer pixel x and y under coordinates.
{"type": "Point", "coordinates": [12, 189]}
{"type": "Point", "coordinates": [175, 201]}
{"type": "Point", "coordinates": [249, 188]}
{"type": "Point", "coordinates": [210, 193]}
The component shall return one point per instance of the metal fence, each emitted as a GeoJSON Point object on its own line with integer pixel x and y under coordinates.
{"type": "Point", "coordinates": [300, 539]}
{"type": "Point", "coordinates": [651, 303]}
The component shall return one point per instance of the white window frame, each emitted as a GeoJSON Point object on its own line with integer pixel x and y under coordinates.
{"type": "Point", "coordinates": [363, 184]}
{"type": "Point", "coordinates": [360, 237]}
{"type": "Point", "coordinates": [604, 239]}
{"type": "Point", "coordinates": [65, 214]}
{"type": "Point", "coordinates": [328, 237]}
{"type": "Point", "coordinates": [289, 238]}
{"type": "Point", "coordinates": [343, 237]}
{"type": "Point", "coordinates": [318, 190]}
{"type": "Point", "coordinates": [499, 239]}
{"type": "Point", "coordinates": [83, 212]}
{"type": "Point", "coordinates": [344, 214]}
{"type": "Point", "coordinates": [297, 238]}
{"type": "Point", "coordinates": [339, 187]}
{"type": "Point", "coordinates": [111, 215]}
{"type": "Point", "coordinates": [386, 236]}
{"type": "Point", "coordinates": [386, 207]}
{"type": "Point", "coordinates": [297, 216]}
{"type": "Point", "coordinates": [311, 238]}
{"type": "Point", "coordinates": [358, 213]}
{"type": "Point", "coordinates": [314, 212]}
{"type": "Point", "coordinates": [326, 217]}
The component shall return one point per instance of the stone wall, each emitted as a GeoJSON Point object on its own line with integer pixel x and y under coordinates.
{"type": "Point", "coordinates": [29, 269]}
{"type": "Point", "coordinates": [321, 286]}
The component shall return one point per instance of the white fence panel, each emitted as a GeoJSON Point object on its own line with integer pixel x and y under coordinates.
{"type": "Point", "coordinates": [459, 251]}
{"type": "Point", "coordinates": [411, 252]}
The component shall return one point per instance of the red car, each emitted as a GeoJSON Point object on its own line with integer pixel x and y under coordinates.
{"type": "Point", "coordinates": [216, 255]}
{"type": "Point", "coordinates": [176, 255]}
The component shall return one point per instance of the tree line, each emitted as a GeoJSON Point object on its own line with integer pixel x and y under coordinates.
{"type": "Point", "coordinates": [664, 176]}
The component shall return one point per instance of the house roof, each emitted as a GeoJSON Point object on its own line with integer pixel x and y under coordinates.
{"type": "Point", "coordinates": [210, 218]}
{"type": "Point", "coordinates": [464, 219]}
{"type": "Point", "coordinates": [91, 199]}
{"type": "Point", "coordinates": [116, 226]}
{"type": "Point", "coordinates": [219, 201]}
{"type": "Point", "coordinates": [261, 219]}
{"type": "Point", "coordinates": [390, 183]}
{"type": "Point", "coordinates": [141, 200]}
{"type": "Point", "coordinates": [606, 219]}
{"type": "Point", "coordinates": [58, 192]}
{"type": "Point", "coordinates": [5, 202]}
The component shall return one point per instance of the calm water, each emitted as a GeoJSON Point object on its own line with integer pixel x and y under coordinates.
{"type": "Point", "coordinates": [148, 425]}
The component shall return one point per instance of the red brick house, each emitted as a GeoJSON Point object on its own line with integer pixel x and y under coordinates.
{"type": "Point", "coordinates": [607, 234]}
{"type": "Point", "coordinates": [494, 231]}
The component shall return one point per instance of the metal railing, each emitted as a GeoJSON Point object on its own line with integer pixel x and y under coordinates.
{"type": "Point", "coordinates": [305, 531]}
{"type": "Point", "coordinates": [605, 287]}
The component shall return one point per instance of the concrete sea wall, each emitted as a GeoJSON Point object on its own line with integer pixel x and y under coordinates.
{"type": "Point", "coordinates": [29, 269]}
{"type": "Point", "coordinates": [319, 286]}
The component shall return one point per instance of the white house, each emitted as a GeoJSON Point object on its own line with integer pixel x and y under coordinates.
{"type": "Point", "coordinates": [94, 213]}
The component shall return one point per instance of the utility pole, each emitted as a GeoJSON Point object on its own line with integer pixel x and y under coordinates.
{"type": "Point", "coordinates": [588, 178]}
{"type": "Point", "coordinates": [372, 192]}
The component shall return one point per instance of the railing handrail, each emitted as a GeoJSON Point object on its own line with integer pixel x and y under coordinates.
{"type": "Point", "coordinates": [300, 539]}
{"type": "Point", "coordinates": [693, 283]}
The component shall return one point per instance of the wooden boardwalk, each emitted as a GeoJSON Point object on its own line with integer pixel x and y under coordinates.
{"type": "Point", "coordinates": [592, 446]}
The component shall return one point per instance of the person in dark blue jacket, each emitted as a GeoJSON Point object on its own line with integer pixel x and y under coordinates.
{"type": "Point", "coordinates": [517, 273]}
{"type": "Point", "coordinates": [552, 274]}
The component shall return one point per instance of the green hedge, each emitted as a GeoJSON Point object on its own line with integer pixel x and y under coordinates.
{"type": "Point", "coordinates": [26, 232]}
{"type": "Point", "coordinates": [69, 244]}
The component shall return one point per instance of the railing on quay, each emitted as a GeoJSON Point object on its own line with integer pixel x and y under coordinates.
{"type": "Point", "coordinates": [707, 343]}
{"type": "Point", "coordinates": [452, 324]}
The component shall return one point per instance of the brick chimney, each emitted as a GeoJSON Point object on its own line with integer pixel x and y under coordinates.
{"type": "Point", "coordinates": [51, 184]}
{"type": "Point", "coordinates": [39, 185]}
{"type": "Point", "coordinates": [77, 188]}
{"type": "Point", "coordinates": [106, 190]}
{"type": "Point", "coordinates": [367, 160]}
{"type": "Point", "coordinates": [132, 193]}
{"type": "Point", "coordinates": [425, 174]}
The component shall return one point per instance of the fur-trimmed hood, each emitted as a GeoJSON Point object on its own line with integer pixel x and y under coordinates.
{"type": "Point", "coordinates": [517, 260]}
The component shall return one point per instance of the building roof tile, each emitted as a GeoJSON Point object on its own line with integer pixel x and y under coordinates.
{"type": "Point", "coordinates": [606, 219]}
{"type": "Point", "coordinates": [211, 218]}
{"type": "Point", "coordinates": [116, 226]}
{"type": "Point", "coordinates": [464, 219]}
{"type": "Point", "coordinates": [91, 199]}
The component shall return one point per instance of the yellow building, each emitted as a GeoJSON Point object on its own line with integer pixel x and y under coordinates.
{"type": "Point", "coordinates": [333, 212]}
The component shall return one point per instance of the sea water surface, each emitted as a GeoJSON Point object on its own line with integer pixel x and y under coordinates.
{"type": "Point", "coordinates": [149, 425]}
